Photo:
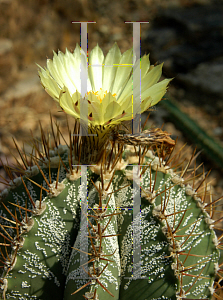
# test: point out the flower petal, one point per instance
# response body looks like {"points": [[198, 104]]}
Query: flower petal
{"points": [[53, 67], [95, 110], [72, 67], [110, 67], [111, 107], [49, 84], [156, 92], [123, 72], [96, 60], [151, 77], [70, 104], [145, 65]]}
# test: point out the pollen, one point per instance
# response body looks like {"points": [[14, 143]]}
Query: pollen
{"points": [[101, 94]]}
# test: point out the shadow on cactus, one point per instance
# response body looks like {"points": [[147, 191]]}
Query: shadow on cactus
{"points": [[109, 215]]}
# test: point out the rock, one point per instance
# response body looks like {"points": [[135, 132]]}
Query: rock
{"points": [[189, 36], [7, 63], [190, 43], [208, 77], [23, 88], [5, 46]]}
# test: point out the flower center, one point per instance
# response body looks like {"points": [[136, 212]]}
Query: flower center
{"points": [[101, 94]]}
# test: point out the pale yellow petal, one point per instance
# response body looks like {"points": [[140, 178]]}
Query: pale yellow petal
{"points": [[128, 89], [110, 67], [50, 84], [113, 109], [151, 77], [53, 69], [95, 110], [71, 105], [96, 60], [145, 64], [156, 92], [123, 72]]}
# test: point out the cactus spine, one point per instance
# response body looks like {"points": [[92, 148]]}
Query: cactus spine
{"points": [[41, 227]]}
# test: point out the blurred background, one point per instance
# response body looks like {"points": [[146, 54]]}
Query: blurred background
{"points": [[187, 35]]}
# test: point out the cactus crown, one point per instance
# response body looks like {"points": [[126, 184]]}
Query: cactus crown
{"points": [[107, 217]]}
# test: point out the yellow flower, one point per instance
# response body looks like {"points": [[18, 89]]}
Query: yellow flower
{"points": [[109, 84]]}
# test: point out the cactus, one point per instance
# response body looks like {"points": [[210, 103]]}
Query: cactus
{"points": [[112, 216]]}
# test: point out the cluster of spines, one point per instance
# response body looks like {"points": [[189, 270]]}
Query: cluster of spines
{"points": [[165, 163], [199, 191], [96, 235]]}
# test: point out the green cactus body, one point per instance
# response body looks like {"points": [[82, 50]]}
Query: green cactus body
{"points": [[39, 246]]}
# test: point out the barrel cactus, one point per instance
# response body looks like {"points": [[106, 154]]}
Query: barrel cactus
{"points": [[109, 215]]}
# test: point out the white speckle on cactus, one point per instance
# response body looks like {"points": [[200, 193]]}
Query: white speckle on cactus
{"points": [[187, 219], [199, 289], [52, 230], [43, 250], [22, 272], [25, 284]]}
